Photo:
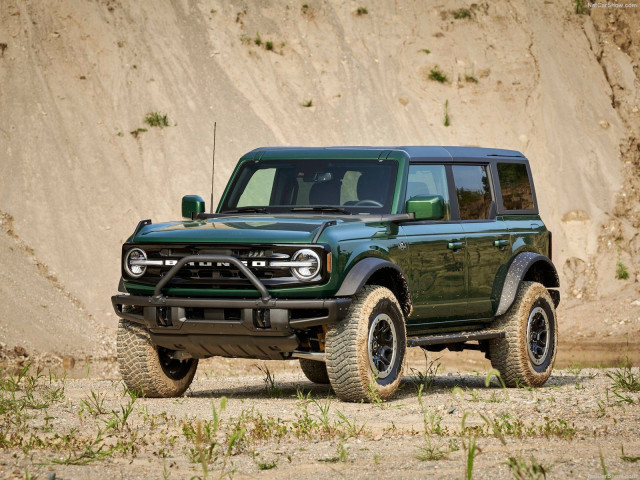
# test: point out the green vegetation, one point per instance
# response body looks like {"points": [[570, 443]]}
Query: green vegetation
{"points": [[270, 382], [470, 79], [425, 50], [522, 470], [472, 452], [137, 132], [462, 13], [267, 465], [156, 119], [447, 120], [580, 7], [621, 271], [626, 458], [362, 11], [342, 456], [426, 378], [268, 45], [257, 40], [437, 75], [308, 103], [624, 378]]}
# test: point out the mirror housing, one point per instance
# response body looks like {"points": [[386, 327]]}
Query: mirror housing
{"points": [[192, 204], [426, 207]]}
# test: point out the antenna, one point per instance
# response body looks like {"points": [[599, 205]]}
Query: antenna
{"points": [[213, 165]]}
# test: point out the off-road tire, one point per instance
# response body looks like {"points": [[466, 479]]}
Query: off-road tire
{"points": [[315, 371], [141, 368], [348, 342], [511, 355]]}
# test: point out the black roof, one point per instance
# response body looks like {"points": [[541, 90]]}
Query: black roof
{"points": [[414, 152]]}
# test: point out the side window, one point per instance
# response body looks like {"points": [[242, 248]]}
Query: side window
{"points": [[258, 189], [473, 191], [429, 180], [515, 186]]}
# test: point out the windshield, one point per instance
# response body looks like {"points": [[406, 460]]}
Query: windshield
{"points": [[340, 186]]}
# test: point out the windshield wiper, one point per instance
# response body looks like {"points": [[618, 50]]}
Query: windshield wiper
{"points": [[247, 209], [321, 208]]}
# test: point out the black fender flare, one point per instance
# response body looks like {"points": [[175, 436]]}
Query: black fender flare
{"points": [[518, 269], [362, 271]]}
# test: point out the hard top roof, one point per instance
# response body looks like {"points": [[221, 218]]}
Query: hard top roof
{"points": [[414, 152]]}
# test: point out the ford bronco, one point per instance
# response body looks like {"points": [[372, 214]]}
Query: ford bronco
{"points": [[342, 258]]}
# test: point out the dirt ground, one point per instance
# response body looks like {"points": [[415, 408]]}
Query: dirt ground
{"points": [[576, 426]]}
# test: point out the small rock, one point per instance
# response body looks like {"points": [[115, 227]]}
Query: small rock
{"points": [[20, 351], [68, 361], [51, 476], [451, 409], [604, 124], [636, 302]]}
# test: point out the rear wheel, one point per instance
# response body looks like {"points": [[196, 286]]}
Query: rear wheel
{"points": [[365, 352], [148, 368], [315, 371], [527, 353]]}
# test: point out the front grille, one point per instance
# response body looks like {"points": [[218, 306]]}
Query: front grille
{"points": [[219, 275]]}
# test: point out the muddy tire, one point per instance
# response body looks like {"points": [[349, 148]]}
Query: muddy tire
{"points": [[315, 371], [526, 355], [148, 368], [365, 352]]}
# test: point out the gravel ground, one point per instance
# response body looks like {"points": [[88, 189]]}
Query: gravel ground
{"points": [[578, 422]]}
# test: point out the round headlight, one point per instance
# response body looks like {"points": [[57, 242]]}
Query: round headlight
{"points": [[309, 264], [135, 262]]}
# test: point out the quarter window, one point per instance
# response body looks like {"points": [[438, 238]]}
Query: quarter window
{"points": [[427, 180], [515, 186], [473, 191]]}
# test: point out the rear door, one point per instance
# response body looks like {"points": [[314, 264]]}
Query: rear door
{"points": [[487, 237], [436, 254]]}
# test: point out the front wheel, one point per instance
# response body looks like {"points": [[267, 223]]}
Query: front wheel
{"points": [[365, 352], [314, 371], [527, 353], [148, 368]]}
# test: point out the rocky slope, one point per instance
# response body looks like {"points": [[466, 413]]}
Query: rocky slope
{"points": [[79, 76]]}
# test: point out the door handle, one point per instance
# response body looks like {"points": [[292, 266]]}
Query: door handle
{"points": [[500, 243], [455, 245]]}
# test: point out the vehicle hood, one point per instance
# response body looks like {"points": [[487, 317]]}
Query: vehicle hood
{"points": [[238, 229]]}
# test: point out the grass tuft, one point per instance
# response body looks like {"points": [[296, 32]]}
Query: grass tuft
{"points": [[621, 271], [462, 13], [156, 119], [362, 11], [447, 120], [437, 75], [307, 104], [580, 7]]}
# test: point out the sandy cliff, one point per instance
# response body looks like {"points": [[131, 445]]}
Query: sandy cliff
{"points": [[77, 76]]}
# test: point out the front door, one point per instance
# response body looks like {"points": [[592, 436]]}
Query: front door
{"points": [[436, 253], [487, 238]]}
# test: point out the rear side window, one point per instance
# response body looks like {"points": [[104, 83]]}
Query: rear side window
{"points": [[515, 186], [473, 191]]}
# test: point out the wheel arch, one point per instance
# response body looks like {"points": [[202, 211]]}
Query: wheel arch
{"points": [[376, 271], [528, 266]]}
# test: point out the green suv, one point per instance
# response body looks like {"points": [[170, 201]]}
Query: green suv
{"points": [[342, 258]]}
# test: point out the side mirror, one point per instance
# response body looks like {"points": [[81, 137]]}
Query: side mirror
{"points": [[192, 204], [426, 207]]}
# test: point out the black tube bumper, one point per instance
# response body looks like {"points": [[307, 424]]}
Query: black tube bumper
{"points": [[249, 328]]}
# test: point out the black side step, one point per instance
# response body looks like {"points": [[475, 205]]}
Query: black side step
{"points": [[458, 337]]}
